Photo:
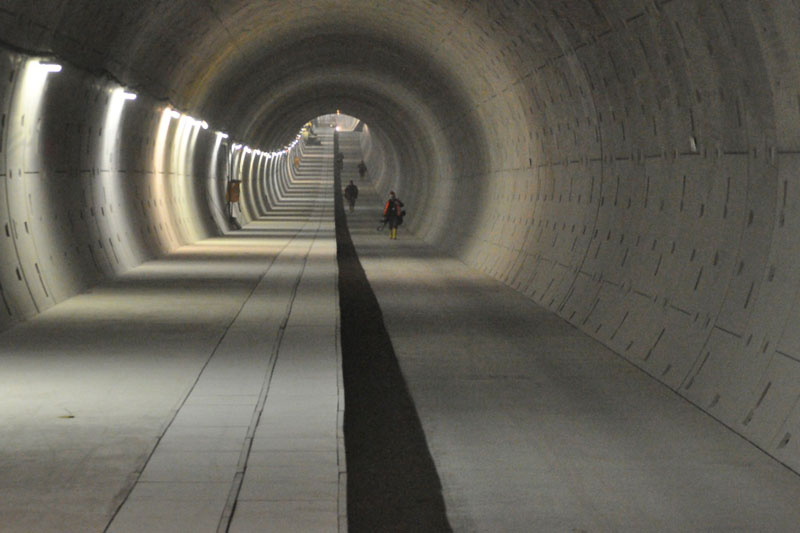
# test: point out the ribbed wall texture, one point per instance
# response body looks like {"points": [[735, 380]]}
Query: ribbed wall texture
{"points": [[631, 165]]}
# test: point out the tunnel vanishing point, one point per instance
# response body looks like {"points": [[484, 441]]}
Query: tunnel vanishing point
{"points": [[631, 166]]}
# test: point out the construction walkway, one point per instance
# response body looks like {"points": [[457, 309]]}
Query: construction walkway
{"points": [[200, 392]]}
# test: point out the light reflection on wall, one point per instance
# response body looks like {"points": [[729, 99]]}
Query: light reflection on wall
{"points": [[159, 181], [112, 177], [25, 114], [193, 207], [181, 188], [217, 174], [261, 174], [237, 164], [23, 160], [96, 184], [173, 176], [251, 173]]}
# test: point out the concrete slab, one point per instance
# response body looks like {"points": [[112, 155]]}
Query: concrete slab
{"points": [[286, 517], [221, 399], [168, 516], [176, 491], [203, 439], [191, 466], [302, 481], [299, 444], [214, 415]]}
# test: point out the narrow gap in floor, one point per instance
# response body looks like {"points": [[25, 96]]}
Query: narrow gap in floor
{"points": [[392, 482]]}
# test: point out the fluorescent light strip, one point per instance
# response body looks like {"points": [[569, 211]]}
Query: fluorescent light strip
{"points": [[50, 67]]}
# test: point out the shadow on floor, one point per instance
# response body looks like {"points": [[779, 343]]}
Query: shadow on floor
{"points": [[392, 483]]}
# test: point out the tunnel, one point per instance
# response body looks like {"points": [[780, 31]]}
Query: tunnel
{"points": [[589, 321]]}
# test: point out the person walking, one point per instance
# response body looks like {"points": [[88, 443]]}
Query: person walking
{"points": [[393, 213], [362, 169], [351, 193]]}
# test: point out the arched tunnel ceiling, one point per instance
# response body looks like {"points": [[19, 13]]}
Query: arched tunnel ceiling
{"points": [[355, 93], [221, 60], [325, 73]]}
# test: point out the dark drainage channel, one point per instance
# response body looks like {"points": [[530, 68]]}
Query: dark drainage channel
{"points": [[392, 483]]}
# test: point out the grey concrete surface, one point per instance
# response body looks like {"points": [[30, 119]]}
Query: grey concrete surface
{"points": [[535, 426], [629, 165], [193, 386]]}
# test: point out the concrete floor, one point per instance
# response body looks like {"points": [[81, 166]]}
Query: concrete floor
{"points": [[208, 378], [534, 426]]}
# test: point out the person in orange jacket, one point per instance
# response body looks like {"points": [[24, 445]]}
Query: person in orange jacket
{"points": [[393, 213]]}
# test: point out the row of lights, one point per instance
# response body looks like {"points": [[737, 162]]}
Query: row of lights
{"points": [[51, 67], [269, 155], [193, 121]]}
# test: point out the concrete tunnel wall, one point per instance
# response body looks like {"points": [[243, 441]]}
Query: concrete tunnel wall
{"points": [[94, 184], [80, 201], [631, 165]]}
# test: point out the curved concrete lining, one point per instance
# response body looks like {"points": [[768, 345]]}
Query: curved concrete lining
{"points": [[629, 165]]}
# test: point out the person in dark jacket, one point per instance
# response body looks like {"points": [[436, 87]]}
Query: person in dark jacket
{"points": [[362, 169], [351, 193], [393, 213]]}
